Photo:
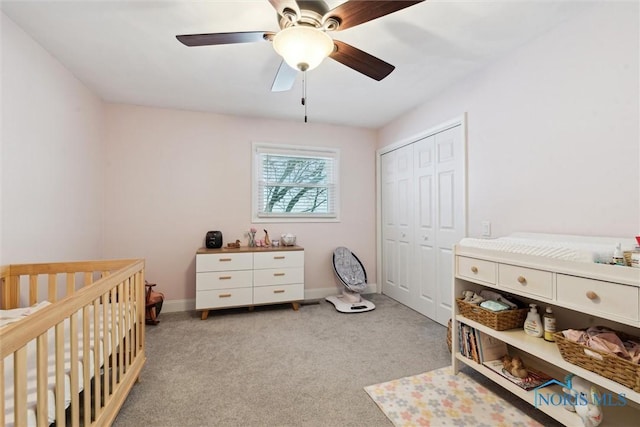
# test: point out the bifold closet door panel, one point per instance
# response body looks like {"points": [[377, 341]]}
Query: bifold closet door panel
{"points": [[425, 286], [451, 211], [397, 223]]}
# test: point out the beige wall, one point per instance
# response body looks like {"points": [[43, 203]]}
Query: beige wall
{"points": [[52, 157], [173, 175], [553, 130]]}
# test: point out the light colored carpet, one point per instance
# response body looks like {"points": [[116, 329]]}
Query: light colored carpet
{"points": [[279, 367], [439, 398]]}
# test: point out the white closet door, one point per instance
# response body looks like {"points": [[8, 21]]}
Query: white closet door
{"points": [[425, 290], [423, 215], [397, 217], [451, 212]]}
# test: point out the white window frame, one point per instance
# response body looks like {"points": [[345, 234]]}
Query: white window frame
{"points": [[258, 148]]}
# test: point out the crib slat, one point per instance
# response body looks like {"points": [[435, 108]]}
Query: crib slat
{"points": [[120, 323], [88, 278], [96, 358], [53, 288], [33, 289], [114, 345], [20, 386], [71, 283], [86, 365], [11, 293], [105, 346], [60, 417], [42, 402], [73, 375], [140, 311], [127, 327]]}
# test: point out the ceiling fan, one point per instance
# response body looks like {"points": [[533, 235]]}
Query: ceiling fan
{"points": [[303, 41]]}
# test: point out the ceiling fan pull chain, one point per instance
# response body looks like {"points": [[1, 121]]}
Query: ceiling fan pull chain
{"points": [[304, 94]]}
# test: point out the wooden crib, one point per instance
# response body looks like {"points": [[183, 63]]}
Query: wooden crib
{"points": [[76, 359]]}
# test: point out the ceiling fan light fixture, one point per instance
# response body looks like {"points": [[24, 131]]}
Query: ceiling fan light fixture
{"points": [[303, 47]]}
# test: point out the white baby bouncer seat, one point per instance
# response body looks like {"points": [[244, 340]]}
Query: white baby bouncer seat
{"points": [[351, 274]]}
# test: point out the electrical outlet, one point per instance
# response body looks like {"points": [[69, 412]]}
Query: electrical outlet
{"points": [[486, 229]]}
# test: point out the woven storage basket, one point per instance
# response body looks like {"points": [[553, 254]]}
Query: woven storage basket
{"points": [[604, 364], [449, 326], [498, 320]]}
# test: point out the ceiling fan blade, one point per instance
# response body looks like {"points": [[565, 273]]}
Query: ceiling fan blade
{"points": [[281, 5], [285, 78], [225, 38], [361, 61], [352, 13]]}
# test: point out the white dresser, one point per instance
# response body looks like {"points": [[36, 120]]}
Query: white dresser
{"points": [[581, 294], [248, 277]]}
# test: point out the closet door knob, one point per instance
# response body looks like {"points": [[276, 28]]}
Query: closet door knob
{"points": [[592, 295], [522, 280], [474, 269]]}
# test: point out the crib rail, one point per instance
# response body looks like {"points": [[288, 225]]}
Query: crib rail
{"points": [[90, 340]]}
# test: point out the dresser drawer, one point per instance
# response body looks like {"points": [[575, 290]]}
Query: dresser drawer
{"points": [[605, 299], [280, 293], [526, 280], [223, 279], [278, 276], [476, 269], [219, 298], [278, 259], [224, 262]]}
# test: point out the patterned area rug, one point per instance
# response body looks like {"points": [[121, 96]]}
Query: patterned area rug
{"points": [[439, 398]]}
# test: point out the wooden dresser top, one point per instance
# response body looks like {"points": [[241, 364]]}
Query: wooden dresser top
{"points": [[245, 249]]}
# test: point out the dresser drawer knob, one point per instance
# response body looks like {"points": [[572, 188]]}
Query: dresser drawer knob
{"points": [[474, 269], [224, 277], [278, 274], [225, 259], [592, 295], [522, 279], [224, 295], [278, 257], [278, 291]]}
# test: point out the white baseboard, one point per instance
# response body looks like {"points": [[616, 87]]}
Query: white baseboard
{"points": [[172, 306]]}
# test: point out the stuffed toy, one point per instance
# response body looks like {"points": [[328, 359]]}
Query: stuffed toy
{"points": [[585, 399], [514, 366], [471, 297]]}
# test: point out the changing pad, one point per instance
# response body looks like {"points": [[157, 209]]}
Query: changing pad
{"points": [[565, 247]]}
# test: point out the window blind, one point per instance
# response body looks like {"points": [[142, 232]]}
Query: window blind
{"points": [[296, 182]]}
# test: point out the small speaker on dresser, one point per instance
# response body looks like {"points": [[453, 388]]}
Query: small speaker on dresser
{"points": [[213, 240]]}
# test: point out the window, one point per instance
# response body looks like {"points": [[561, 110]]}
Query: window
{"points": [[294, 183]]}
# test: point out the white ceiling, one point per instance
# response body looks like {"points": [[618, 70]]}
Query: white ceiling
{"points": [[126, 52]]}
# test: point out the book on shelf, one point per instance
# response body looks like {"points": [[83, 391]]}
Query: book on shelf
{"points": [[467, 342], [533, 380], [478, 346]]}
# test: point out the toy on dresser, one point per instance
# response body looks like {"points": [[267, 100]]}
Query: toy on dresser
{"points": [[585, 399]]}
